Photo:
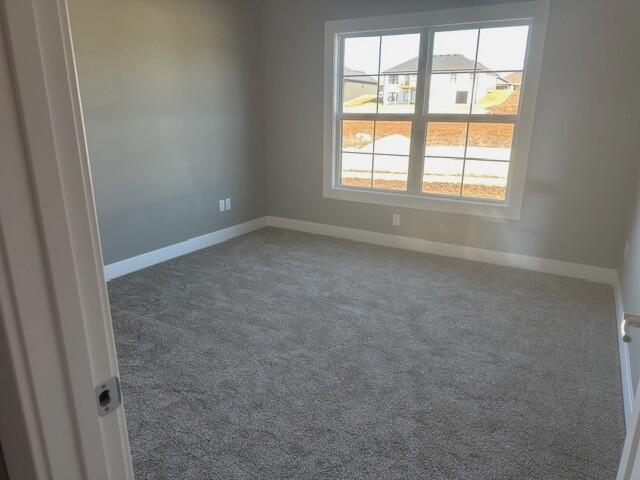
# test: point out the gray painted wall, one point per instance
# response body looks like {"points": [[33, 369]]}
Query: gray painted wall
{"points": [[190, 101], [171, 100], [578, 177]]}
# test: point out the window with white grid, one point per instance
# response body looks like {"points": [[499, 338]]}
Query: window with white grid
{"points": [[433, 112]]}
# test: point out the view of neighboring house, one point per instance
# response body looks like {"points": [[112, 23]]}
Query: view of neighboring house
{"points": [[399, 88], [359, 86], [450, 90], [512, 81], [454, 87]]}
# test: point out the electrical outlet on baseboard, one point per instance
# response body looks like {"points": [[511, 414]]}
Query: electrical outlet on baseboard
{"points": [[221, 205], [396, 219], [227, 203]]}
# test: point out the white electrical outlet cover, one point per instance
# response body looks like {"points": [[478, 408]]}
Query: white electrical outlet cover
{"points": [[396, 219], [228, 203], [221, 205]]}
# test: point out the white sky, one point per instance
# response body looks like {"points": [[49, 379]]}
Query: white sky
{"points": [[501, 48]]}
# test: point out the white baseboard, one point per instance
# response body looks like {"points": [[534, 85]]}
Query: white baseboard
{"points": [[145, 260], [625, 361], [558, 267], [567, 269]]}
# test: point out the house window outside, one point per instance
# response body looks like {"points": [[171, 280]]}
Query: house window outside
{"points": [[455, 91], [462, 97]]}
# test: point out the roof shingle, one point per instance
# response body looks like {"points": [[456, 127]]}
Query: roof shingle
{"points": [[441, 63]]}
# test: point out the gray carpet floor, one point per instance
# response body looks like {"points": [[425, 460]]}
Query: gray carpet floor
{"points": [[281, 355]]}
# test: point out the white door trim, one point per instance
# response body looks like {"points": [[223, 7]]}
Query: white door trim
{"points": [[625, 361], [73, 317], [629, 461]]}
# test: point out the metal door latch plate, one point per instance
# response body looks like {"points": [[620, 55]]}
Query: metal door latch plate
{"points": [[108, 396]]}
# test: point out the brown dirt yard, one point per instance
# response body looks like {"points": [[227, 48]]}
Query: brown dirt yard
{"points": [[357, 133], [492, 192]]}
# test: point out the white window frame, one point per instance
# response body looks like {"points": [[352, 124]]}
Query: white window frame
{"points": [[534, 13]]}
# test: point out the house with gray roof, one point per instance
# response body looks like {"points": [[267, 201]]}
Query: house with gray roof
{"points": [[451, 86], [358, 85]]}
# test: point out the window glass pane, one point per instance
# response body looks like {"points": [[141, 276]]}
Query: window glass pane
{"points": [[398, 93], [361, 55], [356, 169], [490, 140], [446, 139], [450, 93], [485, 179], [359, 94], [502, 48], [442, 176], [393, 137], [390, 172], [474, 72], [399, 53], [357, 136], [497, 93], [454, 50]]}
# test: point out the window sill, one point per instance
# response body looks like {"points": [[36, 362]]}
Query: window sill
{"points": [[424, 202]]}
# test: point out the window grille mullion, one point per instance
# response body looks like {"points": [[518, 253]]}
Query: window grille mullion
{"points": [[418, 127]]}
